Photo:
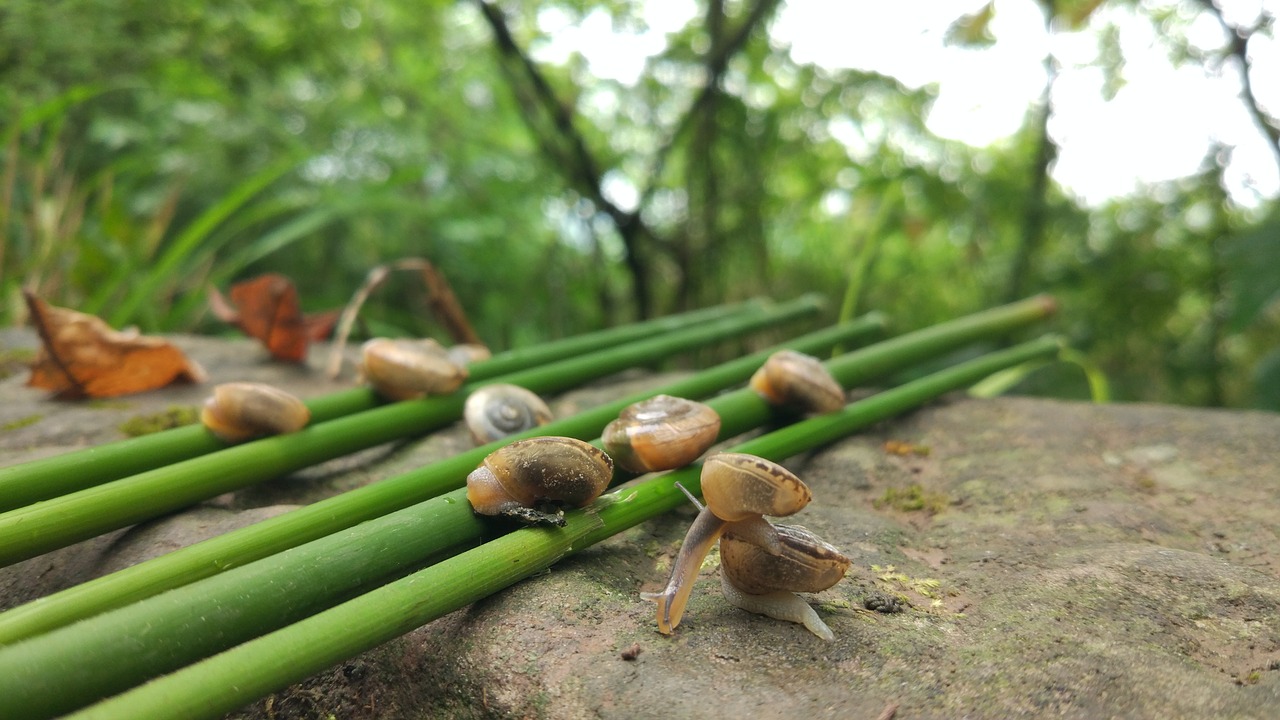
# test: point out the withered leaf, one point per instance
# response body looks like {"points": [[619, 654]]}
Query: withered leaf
{"points": [[266, 309], [81, 356]]}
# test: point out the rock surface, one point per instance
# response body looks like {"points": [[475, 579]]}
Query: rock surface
{"points": [[1049, 559]]}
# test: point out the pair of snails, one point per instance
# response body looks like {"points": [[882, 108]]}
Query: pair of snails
{"points": [[762, 565], [533, 480]]}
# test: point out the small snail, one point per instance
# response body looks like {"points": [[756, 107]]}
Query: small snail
{"points": [[466, 353], [764, 583], [404, 369], [661, 433], [532, 480], [798, 381], [739, 489], [496, 411], [238, 411]]}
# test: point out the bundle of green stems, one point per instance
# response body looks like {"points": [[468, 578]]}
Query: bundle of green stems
{"points": [[285, 577]]}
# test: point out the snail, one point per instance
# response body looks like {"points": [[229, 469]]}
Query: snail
{"points": [[466, 353], [739, 490], [404, 369], [496, 411], [240, 410], [532, 480], [798, 381], [764, 583], [661, 433]]}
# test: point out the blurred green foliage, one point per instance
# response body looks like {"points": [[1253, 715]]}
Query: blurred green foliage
{"points": [[151, 150]]}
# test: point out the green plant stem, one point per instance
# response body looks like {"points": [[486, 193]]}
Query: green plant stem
{"points": [[332, 515], [164, 632], [55, 523], [228, 680], [30, 482], [335, 514]]}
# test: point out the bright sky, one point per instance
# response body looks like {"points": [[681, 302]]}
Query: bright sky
{"points": [[1158, 127]]}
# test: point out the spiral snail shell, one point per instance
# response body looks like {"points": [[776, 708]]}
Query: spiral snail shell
{"points": [[765, 583], [496, 411], [661, 433], [238, 411], [403, 369], [533, 480], [797, 381]]}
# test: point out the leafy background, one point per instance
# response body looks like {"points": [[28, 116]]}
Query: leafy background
{"points": [[153, 149]]}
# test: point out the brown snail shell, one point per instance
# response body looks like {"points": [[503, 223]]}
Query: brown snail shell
{"points": [[762, 582], [661, 433], [738, 486], [531, 480], [404, 369], [240, 410], [496, 411], [807, 563], [798, 381]]}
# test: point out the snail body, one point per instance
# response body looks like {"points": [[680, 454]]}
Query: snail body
{"points": [[661, 433], [532, 480], [765, 583], [496, 411], [404, 369], [739, 489], [797, 381], [239, 411]]}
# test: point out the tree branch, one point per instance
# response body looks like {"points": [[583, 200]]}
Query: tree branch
{"points": [[716, 64], [1239, 49], [582, 169]]}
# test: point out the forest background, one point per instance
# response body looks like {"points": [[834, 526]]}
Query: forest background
{"points": [[154, 149]]}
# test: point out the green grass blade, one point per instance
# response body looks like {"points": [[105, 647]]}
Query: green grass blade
{"points": [[229, 680], [169, 266]]}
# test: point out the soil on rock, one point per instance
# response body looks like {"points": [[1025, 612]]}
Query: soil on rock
{"points": [[1045, 559]]}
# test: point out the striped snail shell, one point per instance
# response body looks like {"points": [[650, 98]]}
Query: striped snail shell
{"points": [[661, 433]]}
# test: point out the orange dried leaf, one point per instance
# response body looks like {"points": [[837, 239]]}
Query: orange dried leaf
{"points": [[266, 309], [81, 356]]}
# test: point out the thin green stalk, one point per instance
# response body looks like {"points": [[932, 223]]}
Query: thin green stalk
{"points": [[229, 680], [335, 514], [332, 515], [120, 648], [30, 482], [55, 523]]}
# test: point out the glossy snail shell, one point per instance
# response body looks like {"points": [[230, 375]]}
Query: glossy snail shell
{"points": [[404, 369], [496, 411], [527, 479], [738, 486], [239, 410], [765, 582], [661, 433], [798, 381], [807, 563]]}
